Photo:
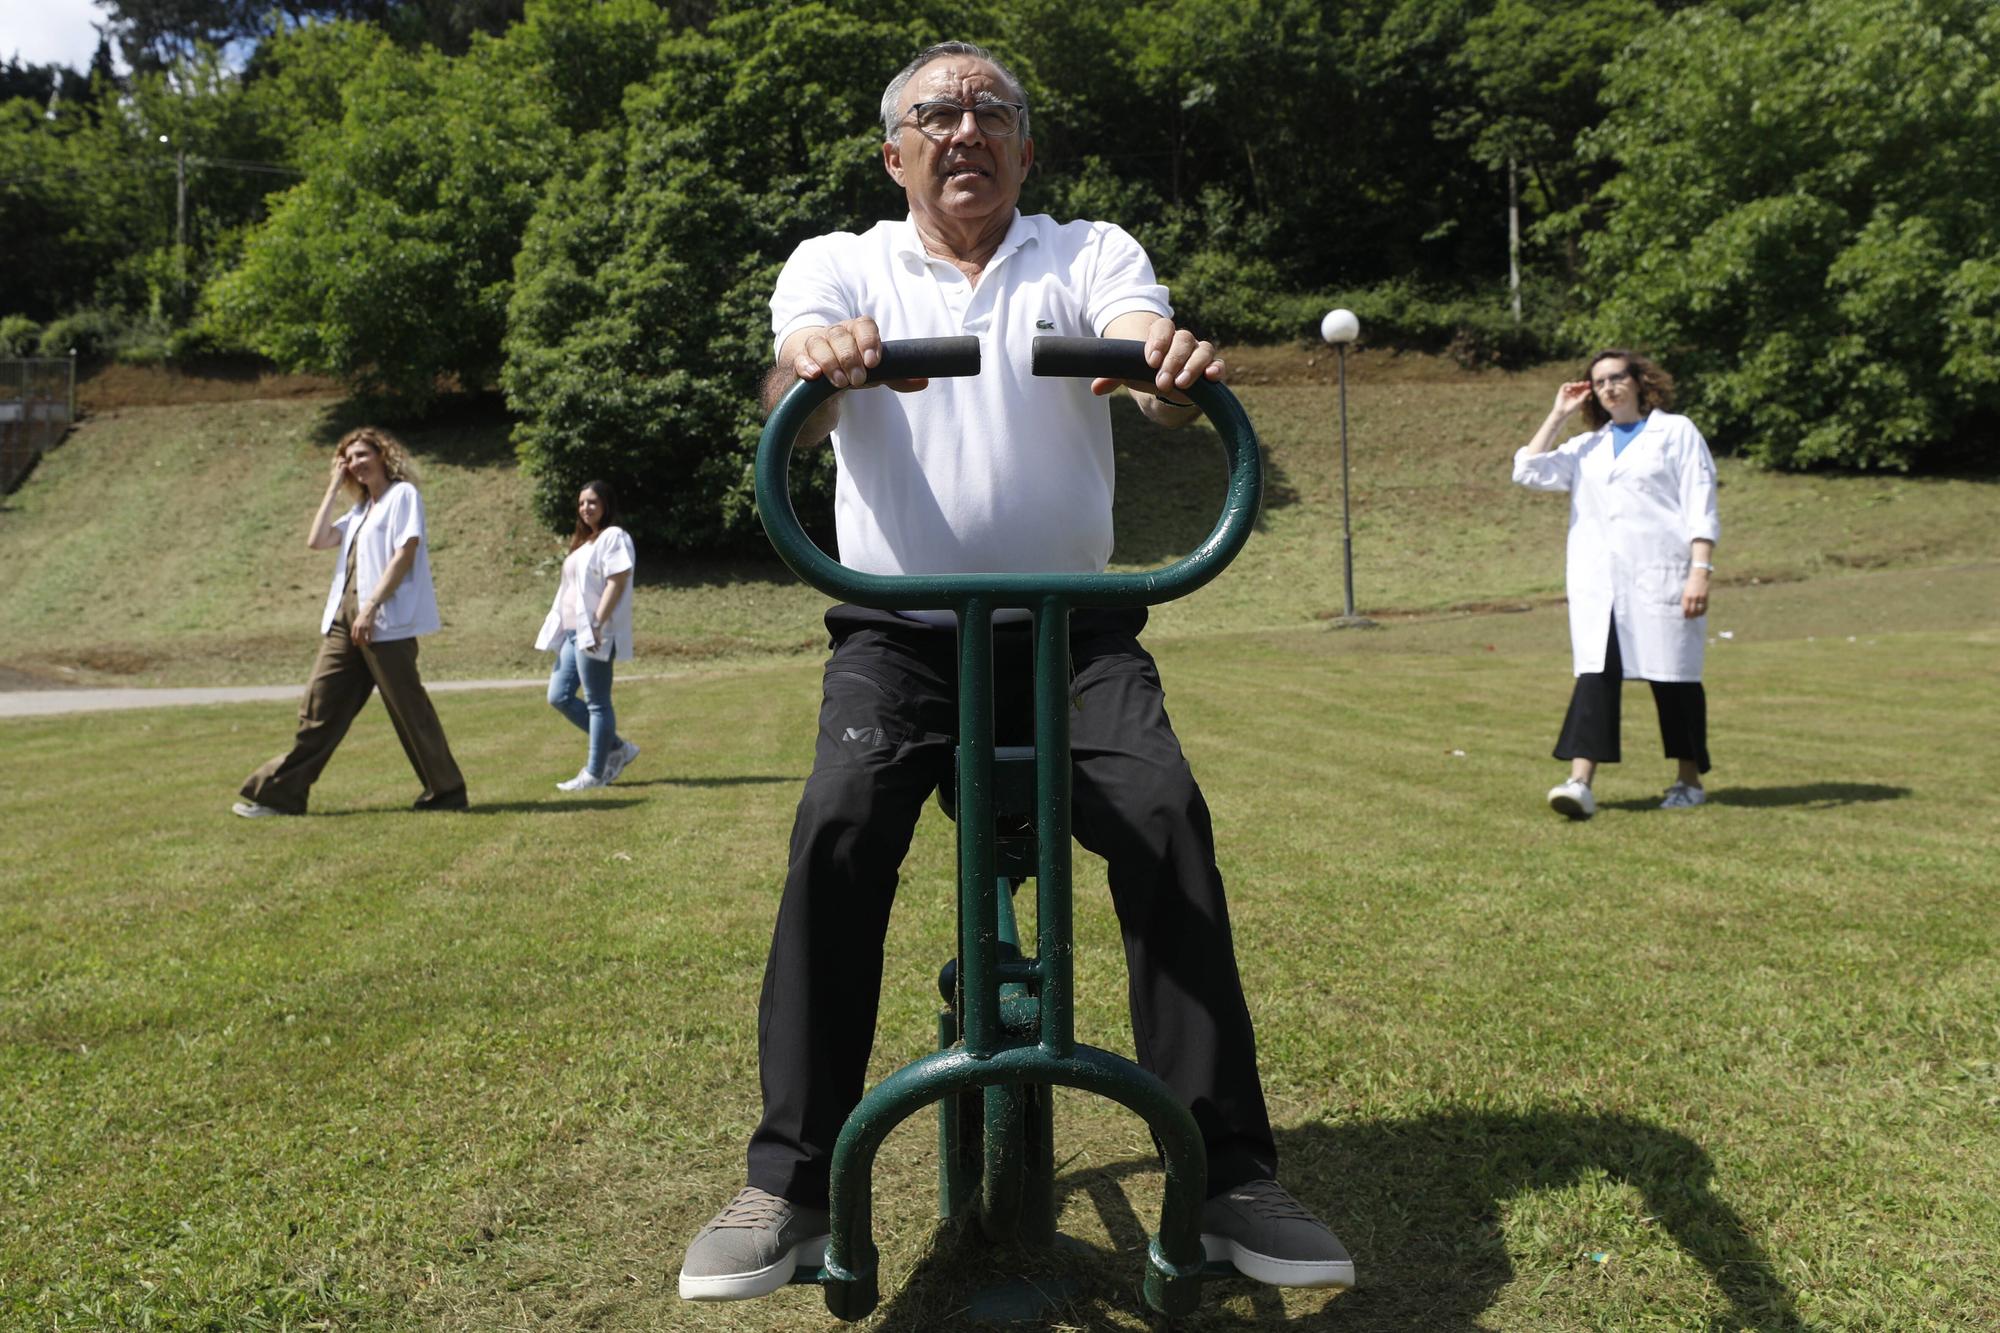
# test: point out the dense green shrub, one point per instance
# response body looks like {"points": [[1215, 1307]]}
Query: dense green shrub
{"points": [[1232, 300], [99, 334], [203, 340], [19, 336], [91, 334], [1806, 224], [1475, 329], [142, 342]]}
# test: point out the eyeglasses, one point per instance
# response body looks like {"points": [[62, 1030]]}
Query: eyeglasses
{"points": [[1611, 381], [938, 120]]}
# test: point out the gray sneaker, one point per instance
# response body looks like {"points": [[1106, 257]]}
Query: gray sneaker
{"points": [[618, 759], [751, 1248], [1681, 796], [1271, 1237]]}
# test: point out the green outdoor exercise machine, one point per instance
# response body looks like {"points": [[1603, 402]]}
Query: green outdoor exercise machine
{"points": [[1007, 1040]]}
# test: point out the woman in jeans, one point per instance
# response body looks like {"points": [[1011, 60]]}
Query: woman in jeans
{"points": [[588, 628]]}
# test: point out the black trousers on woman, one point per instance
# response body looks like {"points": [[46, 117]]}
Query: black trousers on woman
{"points": [[1590, 731], [887, 729]]}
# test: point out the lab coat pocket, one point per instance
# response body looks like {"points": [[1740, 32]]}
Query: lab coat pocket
{"points": [[1660, 586]]}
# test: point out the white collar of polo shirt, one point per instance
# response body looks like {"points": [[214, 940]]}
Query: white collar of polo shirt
{"points": [[908, 245]]}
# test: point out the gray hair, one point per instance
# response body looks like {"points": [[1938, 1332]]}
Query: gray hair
{"points": [[892, 96]]}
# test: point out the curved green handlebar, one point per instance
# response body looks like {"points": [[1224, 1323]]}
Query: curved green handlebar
{"points": [[941, 357]]}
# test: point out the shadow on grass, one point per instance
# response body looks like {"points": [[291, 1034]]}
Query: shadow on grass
{"points": [[1170, 487], [1809, 795], [1817, 795], [570, 805], [1418, 1201], [740, 780], [464, 430]]}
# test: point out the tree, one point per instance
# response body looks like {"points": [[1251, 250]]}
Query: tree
{"points": [[1278, 136], [1805, 221], [44, 84], [1534, 68], [153, 34], [82, 193], [295, 84], [639, 329], [391, 264]]}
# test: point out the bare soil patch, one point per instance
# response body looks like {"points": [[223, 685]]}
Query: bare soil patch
{"points": [[16, 678], [114, 386]]}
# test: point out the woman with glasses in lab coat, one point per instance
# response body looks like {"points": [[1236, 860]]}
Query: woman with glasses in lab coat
{"points": [[1642, 534]]}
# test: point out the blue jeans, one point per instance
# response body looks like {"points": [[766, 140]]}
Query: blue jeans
{"points": [[593, 714]]}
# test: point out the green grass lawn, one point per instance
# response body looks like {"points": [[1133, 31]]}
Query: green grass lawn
{"points": [[1730, 1068], [1735, 1068]]}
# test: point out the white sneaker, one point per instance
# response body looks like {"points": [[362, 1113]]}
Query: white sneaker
{"points": [[620, 758], [1681, 796], [583, 781], [1573, 798], [252, 810]]}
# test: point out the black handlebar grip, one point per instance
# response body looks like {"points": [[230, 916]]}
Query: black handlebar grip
{"points": [[927, 359], [1091, 358]]}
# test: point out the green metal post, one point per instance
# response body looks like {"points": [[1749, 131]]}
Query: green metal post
{"points": [[977, 925], [1055, 934]]}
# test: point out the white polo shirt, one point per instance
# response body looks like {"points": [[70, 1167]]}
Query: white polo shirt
{"points": [[1000, 472]]}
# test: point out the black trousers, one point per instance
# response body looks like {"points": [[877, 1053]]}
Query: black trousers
{"points": [[887, 727], [1590, 731]]}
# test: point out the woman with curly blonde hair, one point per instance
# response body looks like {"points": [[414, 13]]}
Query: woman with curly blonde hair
{"points": [[380, 602], [1642, 534]]}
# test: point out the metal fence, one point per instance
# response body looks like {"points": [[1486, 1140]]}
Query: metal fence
{"points": [[37, 405]]}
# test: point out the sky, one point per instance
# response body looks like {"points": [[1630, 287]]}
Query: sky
{"points": [[49, 32]]}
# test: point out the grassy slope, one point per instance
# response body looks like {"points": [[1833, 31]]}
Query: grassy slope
{"points": [[165, 545], [161, 544]]}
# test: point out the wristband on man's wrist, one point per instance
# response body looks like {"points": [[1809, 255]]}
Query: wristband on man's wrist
{"points": [[1170, 402], [1703, 564]]}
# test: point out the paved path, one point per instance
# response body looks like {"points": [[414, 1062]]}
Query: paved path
{"points": [[51, 703]]}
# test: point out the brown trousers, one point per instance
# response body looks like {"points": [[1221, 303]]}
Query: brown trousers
{"points": [[342, 679]]}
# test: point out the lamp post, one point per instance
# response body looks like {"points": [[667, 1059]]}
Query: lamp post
{"points": [[1340, 328], [180, 212]]}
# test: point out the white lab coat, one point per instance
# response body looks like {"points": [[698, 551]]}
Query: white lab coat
{"points": [[1631, 520]]}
